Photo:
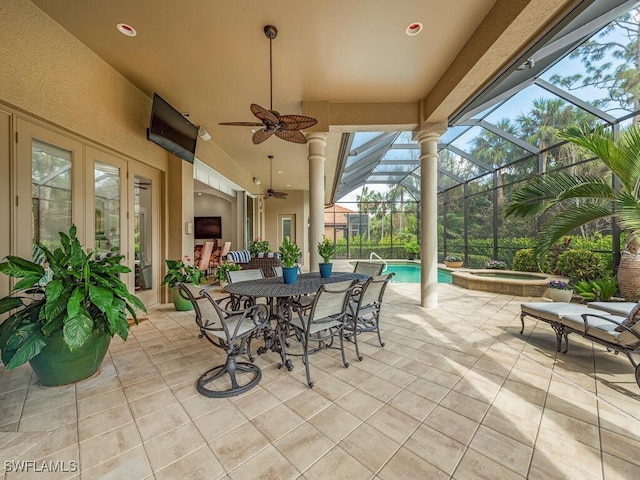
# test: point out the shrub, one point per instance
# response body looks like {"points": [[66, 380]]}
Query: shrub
{"points": [[259, 246], [580, 265], [601, 289], [525, 261]]}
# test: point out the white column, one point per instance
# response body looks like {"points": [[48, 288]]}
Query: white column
{"points": [[317, 142], [428, 139]]}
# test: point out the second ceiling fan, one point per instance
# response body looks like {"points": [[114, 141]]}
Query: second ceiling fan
{"points": [[286, 127], [271, 192]]}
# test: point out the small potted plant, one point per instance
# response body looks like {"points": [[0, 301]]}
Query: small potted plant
{"points": [[259, 246], [62, 320], [181, 271], [412, 248], [495, 265], [560, 291], [221, 270], [289, 252], [326, 249], [453, 261]]}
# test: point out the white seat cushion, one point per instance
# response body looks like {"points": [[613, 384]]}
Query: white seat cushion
{"points": [[615, 308], [553, 311], [598, 327]]}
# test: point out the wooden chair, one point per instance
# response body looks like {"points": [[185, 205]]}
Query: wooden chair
{"points": [[205, 258]]}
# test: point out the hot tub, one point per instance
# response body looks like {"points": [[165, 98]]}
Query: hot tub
{"points": [[509, 282]]}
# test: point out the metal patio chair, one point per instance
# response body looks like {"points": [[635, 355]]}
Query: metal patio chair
{"points": [[232, 331], [369, 268]]}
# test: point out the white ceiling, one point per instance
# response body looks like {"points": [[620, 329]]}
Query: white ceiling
{"points": [[211, 58]]}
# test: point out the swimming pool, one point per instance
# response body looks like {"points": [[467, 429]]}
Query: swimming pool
{"points": [[407, 272]]}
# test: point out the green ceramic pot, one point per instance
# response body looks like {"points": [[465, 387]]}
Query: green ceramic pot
{"points": [[182, 304], [57, 365]]}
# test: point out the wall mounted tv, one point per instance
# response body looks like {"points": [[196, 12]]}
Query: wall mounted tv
{"points": [[171, 130], [207, 227]]}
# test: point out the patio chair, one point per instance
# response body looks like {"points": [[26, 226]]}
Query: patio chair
{"points": [[231, 331], [224, 251], [364, 309], [369, 268], [236, 302], [205, 259], [324, 320]]}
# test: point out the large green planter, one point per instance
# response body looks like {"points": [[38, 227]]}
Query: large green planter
{"points": [[57, 365], [182, 304]]}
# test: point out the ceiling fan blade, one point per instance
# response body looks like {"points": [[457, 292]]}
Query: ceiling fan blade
{"points": [[297, 122], [292, 136], [242, 124], [260, 136], [263, 114], [280, 195]]}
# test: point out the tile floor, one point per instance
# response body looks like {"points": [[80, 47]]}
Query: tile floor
{"points": [[456, 393]]}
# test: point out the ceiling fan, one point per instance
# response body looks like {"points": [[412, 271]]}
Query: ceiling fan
{"points": [[271, 192], [286, 127]]}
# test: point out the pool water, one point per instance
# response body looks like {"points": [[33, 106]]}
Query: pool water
{"points": [[410, 273]]}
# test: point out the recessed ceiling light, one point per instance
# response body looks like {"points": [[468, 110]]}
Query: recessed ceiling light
{"points": [[414, 28], [127, 30], [280, 171]]}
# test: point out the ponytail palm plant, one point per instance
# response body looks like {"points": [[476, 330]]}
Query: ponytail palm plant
{"points": [[586, 197]]}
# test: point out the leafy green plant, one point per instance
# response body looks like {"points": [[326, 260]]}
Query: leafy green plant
{"points": [[601, 289], [259, 246], [412, 247], [525, 260], [326, 249], [222, 269], [580, 265], [289, 252], [181, 271], [83, 294]]}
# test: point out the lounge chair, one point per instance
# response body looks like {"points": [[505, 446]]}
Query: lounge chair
{"points": [[616, 333]]}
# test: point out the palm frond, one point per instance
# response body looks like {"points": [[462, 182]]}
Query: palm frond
{"points": [[628, 212], [565, 222]]}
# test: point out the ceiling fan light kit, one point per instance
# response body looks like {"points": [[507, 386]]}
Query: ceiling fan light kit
{"points": [[285, 127], [271, 192]]}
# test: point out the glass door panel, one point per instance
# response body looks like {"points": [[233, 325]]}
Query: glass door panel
{"points": [[142, 234], [107, 206], [50, 194]]}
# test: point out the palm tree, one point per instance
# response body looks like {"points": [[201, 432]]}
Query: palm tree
{"points": [[587, 197]]}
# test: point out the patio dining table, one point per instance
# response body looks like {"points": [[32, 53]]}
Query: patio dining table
{"points": [[280, 297]]}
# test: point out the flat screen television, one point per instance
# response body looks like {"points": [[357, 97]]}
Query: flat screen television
{"points": [[171, 130], [207, 227]]}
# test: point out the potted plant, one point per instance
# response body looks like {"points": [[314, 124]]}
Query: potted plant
{"points": [[412, 248], [495, 265], [326, 249], [63, 319], [181, 271], [221, 271], [560, 291], [289, 252], [453, 261], [259, 246]]}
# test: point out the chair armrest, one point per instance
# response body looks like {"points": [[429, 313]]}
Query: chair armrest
{"points": [[608, 319]]}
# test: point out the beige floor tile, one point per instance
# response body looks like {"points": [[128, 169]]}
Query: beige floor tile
{"points": [[55, 441], [452, 424], [103, 421], [254, 402], [101, 448], [545, 466], [308, 403], [277, 422], [49, 419], [268, 464], [303, 446], [370, 447], [442, 378], [219, 421], [239, 445], [570, 427], [332, 387], [353, 376], [165, 450], [172, 417], [143, 388], [337, 464], [379, 388], [514, 455], [360, 404], [406, 464], [464, 405], [513, 426], [412, 404], [436, 448], [393, 423], [616, 468], [475, 466], [335, 422], [102, 402], [132, 465], [429, 390], [200, 464], [152, 403], [621, 446]]}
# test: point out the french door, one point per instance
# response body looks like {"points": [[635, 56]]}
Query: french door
{"points": [[114, 204]]}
